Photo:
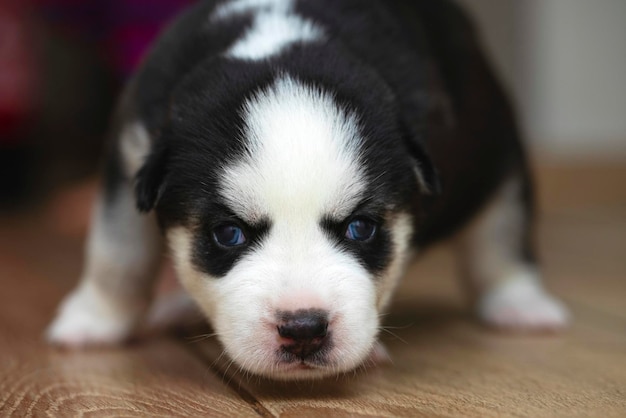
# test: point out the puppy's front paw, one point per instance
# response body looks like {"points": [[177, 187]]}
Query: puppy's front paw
{"points": [[522, 304], [86, 318]]}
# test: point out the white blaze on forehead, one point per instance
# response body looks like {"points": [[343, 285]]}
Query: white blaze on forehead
{"points": [[235, 7], [271, 33], [303, 159], [275, 26]]}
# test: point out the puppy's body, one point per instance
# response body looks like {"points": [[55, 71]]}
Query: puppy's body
{"points": [[294, 153]]}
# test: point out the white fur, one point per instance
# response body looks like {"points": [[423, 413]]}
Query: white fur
{"points": [[232, 8], [303, 158], [275, 27], [508, 290], [134, 146], [521, 303], [303, 166], [298, 273], [88, 316], [401, 233], [123, 250], [421, 181]]}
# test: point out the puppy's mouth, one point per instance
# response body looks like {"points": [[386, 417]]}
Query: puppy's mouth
{"points": [[301, 344], [303, 361], [304, 366], [312, 354], [302, 369]]}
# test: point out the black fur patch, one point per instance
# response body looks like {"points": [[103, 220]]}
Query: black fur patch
{"points": [[374, 254], [395, 63], [214, 258]]}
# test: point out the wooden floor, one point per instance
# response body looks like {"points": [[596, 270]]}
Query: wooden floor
{"points": [[444, 363]]}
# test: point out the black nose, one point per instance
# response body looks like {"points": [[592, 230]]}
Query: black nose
{"points": [[305, 331]]}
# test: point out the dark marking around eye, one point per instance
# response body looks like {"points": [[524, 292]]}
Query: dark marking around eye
{"points": [[373, 253], [218, 245]]}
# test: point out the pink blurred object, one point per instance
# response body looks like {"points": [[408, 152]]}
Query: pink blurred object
{"points": [[17, 64], [121, 30]]}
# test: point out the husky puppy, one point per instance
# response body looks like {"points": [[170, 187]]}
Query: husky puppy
{"points": [[294, 155]]}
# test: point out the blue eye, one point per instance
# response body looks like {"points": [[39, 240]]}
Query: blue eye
{"points": [[229, 235], [360, 229]]}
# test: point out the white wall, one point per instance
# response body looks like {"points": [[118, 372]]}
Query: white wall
{"points": [[565, 62]]}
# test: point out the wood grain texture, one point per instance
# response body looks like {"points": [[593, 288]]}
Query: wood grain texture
{"points": [[444, 363], [582, 237], [149, 378], [154, 379]]}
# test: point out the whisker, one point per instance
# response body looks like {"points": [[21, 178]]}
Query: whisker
{"points": [[394, 335], [399, 327], [201, 337]]}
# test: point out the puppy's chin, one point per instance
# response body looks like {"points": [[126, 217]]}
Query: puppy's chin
{"points": [[301, 343], [300, 371], [377, 355], [281, 366], [303, 371]]}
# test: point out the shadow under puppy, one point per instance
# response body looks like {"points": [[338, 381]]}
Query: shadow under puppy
{"points": [[294, 155]]}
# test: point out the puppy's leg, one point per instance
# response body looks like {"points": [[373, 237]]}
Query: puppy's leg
{"points": [[496, 259], [122, 258]]}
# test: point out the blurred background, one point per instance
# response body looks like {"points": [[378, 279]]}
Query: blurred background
{"points": [[62, 63], [564, 61]]}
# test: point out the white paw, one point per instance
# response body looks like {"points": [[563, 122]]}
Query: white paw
{"points": [[522, 304], [86, 318]]}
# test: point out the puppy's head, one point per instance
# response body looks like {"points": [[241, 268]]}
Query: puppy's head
{"points": [[289, 221]]}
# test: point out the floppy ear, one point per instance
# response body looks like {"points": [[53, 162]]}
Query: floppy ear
{"points": [[149, 180], [425, 171]]}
